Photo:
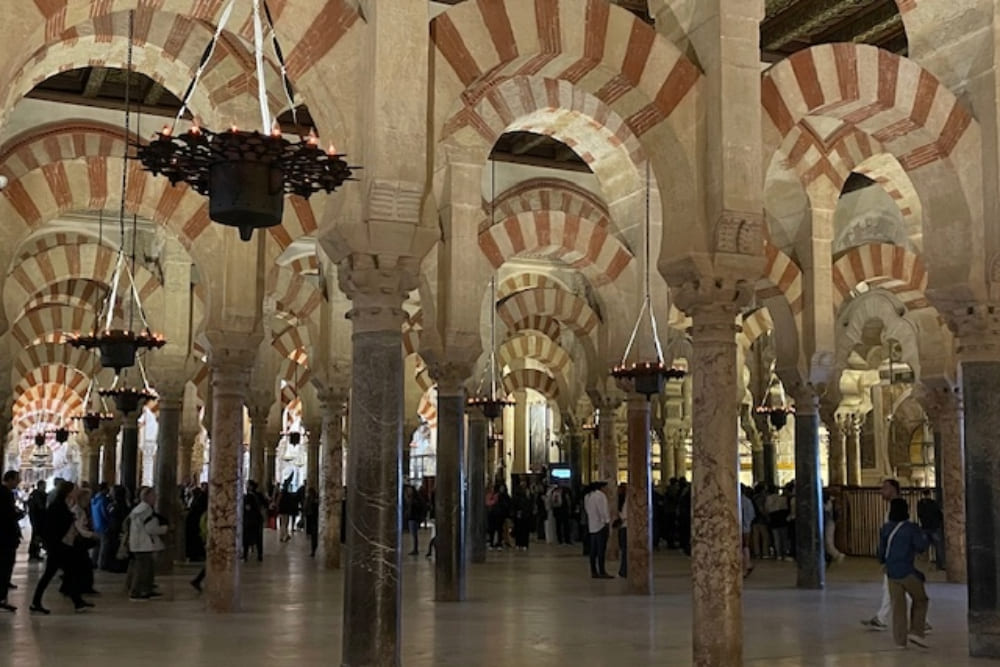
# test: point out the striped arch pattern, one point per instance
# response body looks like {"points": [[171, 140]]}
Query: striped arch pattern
{"points": [[888, 267], [543, 324], [293, 294], [49, 354], [60, 263], [753, 326], [427, 408], [74, 292], [557, 235], [295, 375], [57, 398], [561, 305], [782, 278], [526, 281], [531, 378], [482, 45], [920, 121], [72, 378], [550, 194], [534, 346], [289, 344], [50, 324]]}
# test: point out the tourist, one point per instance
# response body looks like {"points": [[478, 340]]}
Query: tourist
{"points": [[37, 502], [880, 621], [524, 509], [145, 527], [497, 513], [595, 504], [10, 534], [288, 509], [560, 501], [671, 497], [413, 514], [622, 524], [58, 522], [203, 538], [111, 540], [254, 510], [310, 510], [899, 543], [684, 516], [747, 515], [193, 545], [760, 531], [830, 527], [549, 531], [932, 521], [81, 538], [99, 519], [776, 506]]}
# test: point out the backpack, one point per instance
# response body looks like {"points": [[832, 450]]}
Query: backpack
{"points": [[556, 498]]}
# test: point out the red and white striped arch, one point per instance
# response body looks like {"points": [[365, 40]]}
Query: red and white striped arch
{"points": [[568, 309], [50, 324], [546, 325], [427, 408], [291, 344], [532, 345], [753, 326], [532, 378], [57, 398], [74, 292], [47, 265], [526, 280], [50, 354], [881, 265], [293, 294], [71, 378], [550, 194], [782, 278]]}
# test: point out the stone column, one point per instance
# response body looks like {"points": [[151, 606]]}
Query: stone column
{"points": [[184, 453], [258, 445], [130, 454], [769, 452], [668, 456], [91, 460], [476, 502], [607, 463], [271, 439], [945, 409], [231, 363], [107, 437], [374, 493], [809, 548], [314, 431], [639, 495], [757, 463], [978, 348], [168, 502], [716, 537], [837, 463], [853, 457], [331, 495], [680, 455], [450, 491]]}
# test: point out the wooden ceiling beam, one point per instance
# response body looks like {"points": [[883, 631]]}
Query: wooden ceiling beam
{"points": [[95, 81]]}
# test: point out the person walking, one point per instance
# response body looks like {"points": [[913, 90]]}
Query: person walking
{"points": [[622, 523], [776, 506], [288, 509], [899, 543], [560, 512], [254, 510], [145, 529], [413, 513], [37, 502], [310, 510], [58, 524], [830, 527], [203, 536], [932, 522], [111, 540], [10, 534], [747, 516], [880, 621], [595, 504], [81, 539]]}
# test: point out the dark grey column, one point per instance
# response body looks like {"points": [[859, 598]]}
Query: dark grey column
{"points": [[449, 515], [640, 523], [476, 501], [982, 504], [809, 548], [168, 502], [130, 454], [758, 463], [374, 504], [769, 452]]}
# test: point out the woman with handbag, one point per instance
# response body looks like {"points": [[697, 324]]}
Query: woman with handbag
{"points": [[81, 539], [59, 524]]}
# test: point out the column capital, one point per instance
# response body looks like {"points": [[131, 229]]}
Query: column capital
{"points": [[715, 301], [806, 397], [231, 357], [377, 287], [941, 402], [977, 330], [605, 400], [451, 376]]}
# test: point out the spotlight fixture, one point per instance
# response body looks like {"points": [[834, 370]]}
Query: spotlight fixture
{"points": [[245, 174]]}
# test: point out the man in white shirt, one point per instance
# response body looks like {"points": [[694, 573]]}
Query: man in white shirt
{"points": [[595, 504]]}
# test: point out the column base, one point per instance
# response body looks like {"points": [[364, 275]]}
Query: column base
{"points": [[984, 634]]}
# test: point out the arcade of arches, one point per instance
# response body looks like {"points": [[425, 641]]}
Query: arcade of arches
{"points": [[823, 186]]}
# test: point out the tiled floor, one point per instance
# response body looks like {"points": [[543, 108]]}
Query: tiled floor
{"points": [[529, 609]]}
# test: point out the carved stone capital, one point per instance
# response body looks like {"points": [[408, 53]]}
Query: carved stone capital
{"points": [[740, 233], [806, 397], [977, 329], [377, 286], [451, 376], [713, 298], [939, 402]]}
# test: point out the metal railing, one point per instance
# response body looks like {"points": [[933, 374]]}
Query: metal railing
{"points": [[862, 511]]}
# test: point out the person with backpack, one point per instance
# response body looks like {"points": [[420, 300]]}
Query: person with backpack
{"points": [[37, 502], [99, 519], [145, 528], [900, 541]]}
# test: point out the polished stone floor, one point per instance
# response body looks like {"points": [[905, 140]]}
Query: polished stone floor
{"points": [[538, 608]]}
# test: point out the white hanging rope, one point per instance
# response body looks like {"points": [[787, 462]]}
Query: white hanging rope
{"points": [[280, 58], [205, 59], [258, 52], [113, 296]]}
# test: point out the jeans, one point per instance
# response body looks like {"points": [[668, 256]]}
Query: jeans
{"points": [[598, 545], [141, 579], [898, 590], [59, 558], [414, 526]]}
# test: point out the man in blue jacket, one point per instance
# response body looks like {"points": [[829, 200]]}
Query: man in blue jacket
{"points": [[99, 516], [899, 543]]}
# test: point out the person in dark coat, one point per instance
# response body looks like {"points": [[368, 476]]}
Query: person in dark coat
{"points": [[254, 510], [192, 526], [117, 509], [524, 508], [10, 534], [59, 520], [310, 510], [37, 502]]}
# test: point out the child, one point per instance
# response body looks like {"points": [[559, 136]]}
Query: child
{"points": [[899, 543]]}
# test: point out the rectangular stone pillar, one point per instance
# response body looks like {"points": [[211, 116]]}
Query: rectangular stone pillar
{"points": [[476, 501], [809, 547], [449, 515], [639, 495]]}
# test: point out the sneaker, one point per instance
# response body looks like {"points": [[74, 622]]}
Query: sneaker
{"points": [[874, 624], [919, 641], [840, 558]]}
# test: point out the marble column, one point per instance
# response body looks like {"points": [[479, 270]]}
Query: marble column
{"points": [[576, 461], [450, 492], [107, 436], [271, 438], [258, 446], [168, 502], [607, 464], [978, 350], [952, 466], [184, 453], [809, 549], [669, 458], [769, 452], [639, 496], [680, 457], [130, 454], [331, 495], [372, 591], [476, 501], [716, 537], [757, 463], [230, 369], [837, 464], [314, 432], [853, 456], [91, 461]]}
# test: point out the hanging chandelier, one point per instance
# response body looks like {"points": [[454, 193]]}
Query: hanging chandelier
{"points": [[61, 434], [777, 412], [127, 398], [97, 410], [646, 376], [118, 342], [491, 404], [245, 174], [41, 454]]}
